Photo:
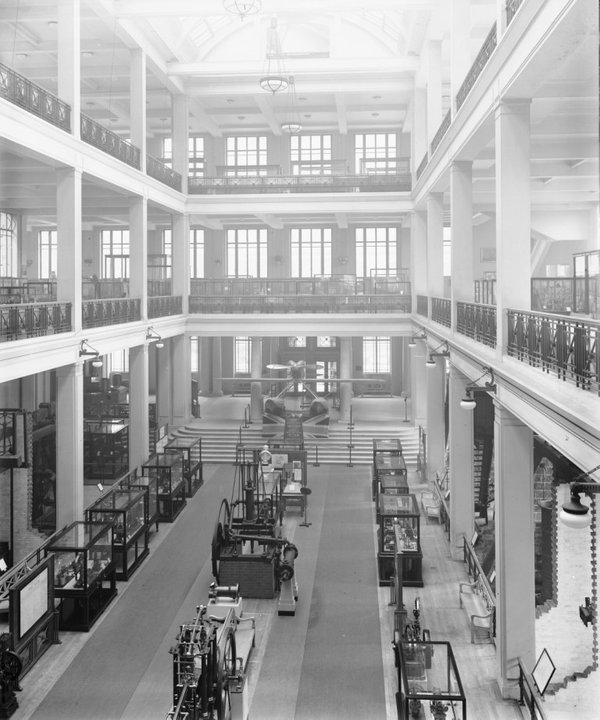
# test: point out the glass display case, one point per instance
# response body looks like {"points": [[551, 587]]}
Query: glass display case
{"points": [[127, 511], [84, 572], [429, 683], [191, 449], [383, 447], [389, 471], [166, 470], [149, 484], [105, 449], [399, 531]]}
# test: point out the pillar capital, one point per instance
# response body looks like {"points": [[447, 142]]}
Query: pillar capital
{"points": [[516, 106]]}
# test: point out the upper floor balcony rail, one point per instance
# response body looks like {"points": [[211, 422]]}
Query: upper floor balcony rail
{"points": [[423, 305], [163, 305], [159, 287], [477, 322], [301, 304], [27, 320], [479, 63], [33, 98], [291, 287], [557, 344], [441, 311], [442, 130], [108, 141], [110, 311], [511, 9], [422, 165], [163, 173]]}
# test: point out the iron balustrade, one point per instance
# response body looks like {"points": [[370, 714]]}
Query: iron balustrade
{"points": [[21, 91], [423, 305], [441, 311], [159, 287], [477, 322], [422, 165], [109, 142], [26, 320], [110, 311], [300, 304], [511, 9], [163, 305], [475, 572], [442, 130], [557, 344], [479, 63], [163, 173], [529, 695], [484, 291]]}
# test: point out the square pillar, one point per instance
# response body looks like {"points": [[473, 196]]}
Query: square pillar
{"points": [[138, 252], [69, 59], [137, 102], [164, 384], [69, 256], [461, 214], [180, 271], [436, 435], [256, 395], [139, 433], [69, 439], [182, 380], [435, 245]]}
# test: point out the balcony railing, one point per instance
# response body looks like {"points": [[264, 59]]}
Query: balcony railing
{"points": [[161, 306], [110, 311], [26, 320], [477, 322], [423, 305], [301, 304], [441, 311], [442, 130], [34, 99], [109, 142], [475, 71], [511, 9], [557, 344], [163, 173], [422, 165]]}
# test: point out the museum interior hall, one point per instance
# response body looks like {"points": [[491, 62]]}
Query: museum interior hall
{"points": [[390, 513]]}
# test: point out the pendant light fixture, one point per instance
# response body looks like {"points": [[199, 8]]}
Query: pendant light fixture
{"points": [[242, 7], [274, 80], [292, 125]]}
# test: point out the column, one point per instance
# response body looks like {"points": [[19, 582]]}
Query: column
{"points": [[205, 374], [436, 434], [418, 136], [460, 442], [139, 433], [164, 387], [179, 123], [513, 213], [460, 47], [500, 18], [217, 369], [434, 88], [418, 388], [180, 271], [435, 245], [418, 255], [138, 252], [256, 396], [515, 566], [69, 443], [345, 388], [68, 223], [137, 102], [461, 214], [69, 59], [182, 380]]}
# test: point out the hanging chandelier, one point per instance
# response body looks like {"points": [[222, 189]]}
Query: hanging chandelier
{"points": [[292, 125], [274, 80], [242, 7]]}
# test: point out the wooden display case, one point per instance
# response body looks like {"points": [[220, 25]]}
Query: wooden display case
{"points": [[127, 511], [149, 484], [399, 531], [105, 449], [191, 450], [84, 572], [383, 447], [429, 683], [389, 471], [165, 471]]}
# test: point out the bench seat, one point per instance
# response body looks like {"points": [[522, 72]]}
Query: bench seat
{"points": [[472, 597]]}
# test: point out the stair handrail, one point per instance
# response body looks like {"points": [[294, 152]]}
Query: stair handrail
{"points": [[529, 695]]}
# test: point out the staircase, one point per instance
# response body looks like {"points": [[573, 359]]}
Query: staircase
{"points": [[219, 443]]}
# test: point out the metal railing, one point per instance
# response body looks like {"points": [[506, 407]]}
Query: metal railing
{"points": [[110, 311], [477, 322], [301, 304], [511, 9], [422, 165], [163, 173], [479, 63], [475, 571], [557, 344], [163, 305], [109, 142], [441, 311], [27, 320], [314, 286], [21, 91], [529, 695], [442, 130], [423, 305]]}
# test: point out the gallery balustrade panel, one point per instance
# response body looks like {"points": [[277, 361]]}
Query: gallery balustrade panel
{"points": [[26, 320], [111, 311]]}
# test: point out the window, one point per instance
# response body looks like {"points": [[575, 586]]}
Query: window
{"points": [[326, 341], [167, 151], [195, 354], [376, 252], [241, 359], [447, 252], [119, 361], [247, 253], [310, 252], [115, 254], [310, 154], [196, 164], [8, 245], [196, 253], [47, 253], [167, 252], [375, 153], [245, 155], [296, 342], [376, 354]]}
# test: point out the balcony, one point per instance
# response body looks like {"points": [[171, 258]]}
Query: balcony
{"points": [[109, 142], [28, 320]]}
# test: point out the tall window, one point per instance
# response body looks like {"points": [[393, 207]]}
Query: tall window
{"points": [[8, 245], [310, 154], [119, 361], [245, 155], [241, 355], [167, 252], [247, 253], [195, 354], [196, 253], [376, 355], [196, 163], [310, 252], [376, 251], [375, 153], [167, 151], [114, 246], [47, 253]]}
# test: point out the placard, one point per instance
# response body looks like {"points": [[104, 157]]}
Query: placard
{"points": [[33, 601], [543, 671]]}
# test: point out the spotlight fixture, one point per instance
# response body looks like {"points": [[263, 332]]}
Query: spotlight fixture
{"points": [[242, 7], [468, 402], [412, 341], [430, 363], [86, 349], [574, 513], [153, 336]]}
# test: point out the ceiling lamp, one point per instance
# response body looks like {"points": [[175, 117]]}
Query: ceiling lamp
{"points": [[430, 363], [292, 125], [274, 80], [242, 7], [153, 336], [86, 349], [468, 402], [412, 341]]}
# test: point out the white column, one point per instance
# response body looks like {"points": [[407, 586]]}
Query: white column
{"points": [[500, 18], [68, 223], [138, 252], [182, 380], [418, 135], [418, 388], [345, 389], [515, 565], [205, 375], [434, 88], [69, 59], [513, 213], [164, 386], [435, 245], [181, 259], [436, 436], [418, 255], [137, 102], [69, 444], [217, 367], [139, 433], [461, 214], [179, 123], [460, 441], [460, 46], [256, 395]]}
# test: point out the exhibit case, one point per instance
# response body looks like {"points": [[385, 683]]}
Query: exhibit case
{"points": [[389, 471], [84, 572], [429, 684], [383, 447], [105, 449], [399, 531], [191, 450], [166, 471], [127, 510]]}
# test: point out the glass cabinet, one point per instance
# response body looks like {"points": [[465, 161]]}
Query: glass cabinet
{"points": [[383, 447], [84, 572], [166, 471], [399, 532], [429, 683], [105, 449], [389, 471], [127, 511], [191, 449]]}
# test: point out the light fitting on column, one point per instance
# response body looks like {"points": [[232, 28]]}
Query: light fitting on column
{"points": [[574, 513], [86, 349], [242, 7], [468, 402], [153, 336], [274, 80], [412, 341], [436, 352]]}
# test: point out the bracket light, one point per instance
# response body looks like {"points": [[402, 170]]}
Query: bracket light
{"points": [[468, 402], [85, 349], [153, 336]]}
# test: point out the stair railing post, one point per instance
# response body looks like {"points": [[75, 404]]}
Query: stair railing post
{"points": [[350, 444], [316, 462]]}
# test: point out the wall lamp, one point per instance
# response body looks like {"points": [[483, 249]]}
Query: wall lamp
{"points": [[86, 349], [468, 402], [153, 336], [574, 513], [430, 363], [413, 340]]}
